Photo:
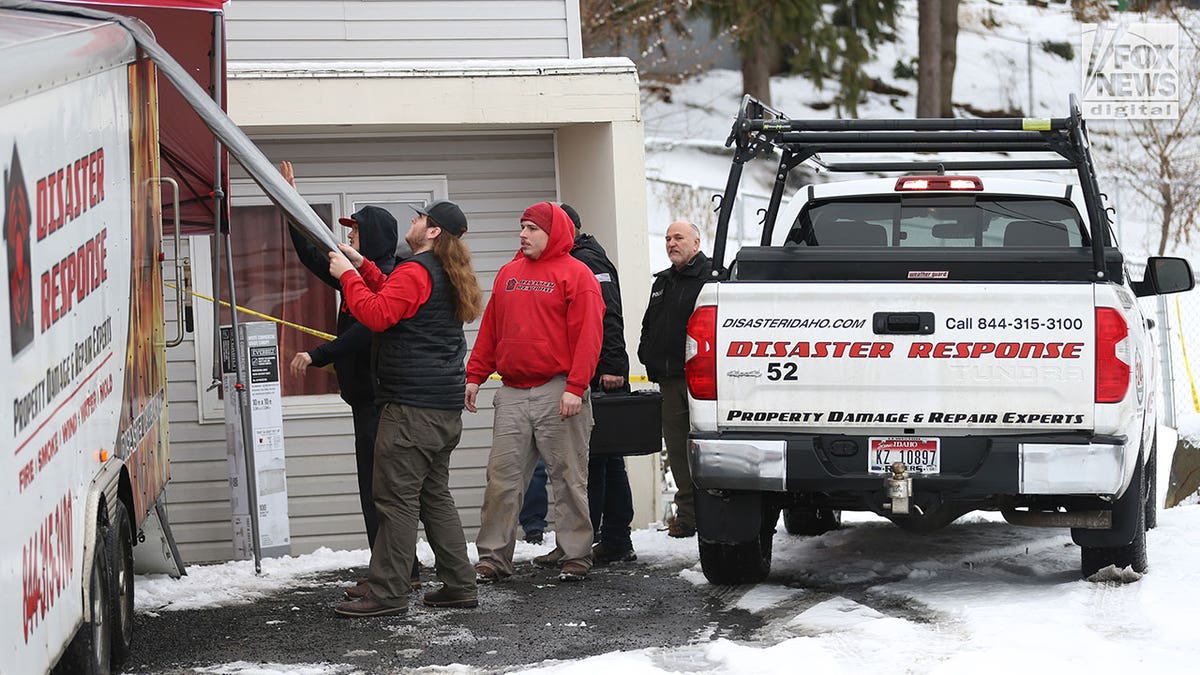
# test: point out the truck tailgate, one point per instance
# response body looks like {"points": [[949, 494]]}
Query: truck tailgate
{"points": [[955, 358]]}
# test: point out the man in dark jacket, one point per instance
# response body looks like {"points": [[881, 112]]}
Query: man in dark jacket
{"points": [[374, 233], [610, 499], [664, 332]]}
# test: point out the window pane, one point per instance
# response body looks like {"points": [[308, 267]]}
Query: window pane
{"points": [[270, 279]]}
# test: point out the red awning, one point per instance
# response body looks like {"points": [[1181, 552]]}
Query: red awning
{"points": [[186, 145]]}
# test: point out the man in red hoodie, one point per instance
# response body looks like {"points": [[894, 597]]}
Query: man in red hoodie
{"points": [[541, 331]]}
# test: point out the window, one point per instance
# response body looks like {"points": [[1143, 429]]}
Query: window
{"points": [[270, 279], [938, 221]]}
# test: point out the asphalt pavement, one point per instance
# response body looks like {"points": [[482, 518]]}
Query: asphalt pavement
{"points": [[522, 621]]}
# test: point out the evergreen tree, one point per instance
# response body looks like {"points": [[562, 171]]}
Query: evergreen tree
{"points": [[821, 40]]}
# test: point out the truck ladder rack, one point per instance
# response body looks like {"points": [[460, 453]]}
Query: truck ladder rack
{"points": [[760, 129]]}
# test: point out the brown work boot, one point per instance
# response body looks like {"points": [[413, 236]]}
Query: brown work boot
{"points": [[487, 573], [368, 606], [573, 570], [441, 598], [552, 559], [358, 590], [679, 530]]}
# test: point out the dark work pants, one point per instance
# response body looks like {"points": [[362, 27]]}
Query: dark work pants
{"points": [[412, 482], [366, 423], [676, 425], [610, 501]]}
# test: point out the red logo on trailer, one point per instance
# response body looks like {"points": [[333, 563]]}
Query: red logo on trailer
{"points": [[17, 223]]}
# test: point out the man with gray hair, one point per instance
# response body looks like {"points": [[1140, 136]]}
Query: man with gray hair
{"points": [[664, 331]]}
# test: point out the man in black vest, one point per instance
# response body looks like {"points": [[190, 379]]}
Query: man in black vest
{"points": [[419, 352], [664, 331]]}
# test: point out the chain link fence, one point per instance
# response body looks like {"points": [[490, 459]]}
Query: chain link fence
{"points": [[1177, 319]]}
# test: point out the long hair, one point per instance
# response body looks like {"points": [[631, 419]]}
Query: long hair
{"points": [[455, 258]]}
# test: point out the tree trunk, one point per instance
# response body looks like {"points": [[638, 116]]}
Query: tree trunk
{"points": [[929, 58], [1168, 214], [756, 69], [949, 33]]}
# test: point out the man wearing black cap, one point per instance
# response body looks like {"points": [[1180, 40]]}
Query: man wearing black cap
{"points": [[373, 233], [417, 314]]}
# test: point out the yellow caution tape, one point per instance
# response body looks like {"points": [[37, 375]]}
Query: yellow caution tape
{"points": [[251, 312], [320, 334], [1186, 365]]}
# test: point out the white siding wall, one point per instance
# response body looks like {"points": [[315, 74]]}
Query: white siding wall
{"points": [[493, 177], [353, 30]]}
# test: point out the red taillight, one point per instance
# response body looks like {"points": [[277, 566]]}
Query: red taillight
{"points": [[1112, 354], [701, 354], [919, 183]]}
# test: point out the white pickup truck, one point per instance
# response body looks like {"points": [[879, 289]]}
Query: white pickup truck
{"points": [[948, 339]]}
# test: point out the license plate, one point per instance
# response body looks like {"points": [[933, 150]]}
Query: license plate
{"points": [[918, 455]]}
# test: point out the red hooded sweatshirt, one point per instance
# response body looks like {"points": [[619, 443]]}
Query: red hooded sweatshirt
{"points": [[545, 317]]}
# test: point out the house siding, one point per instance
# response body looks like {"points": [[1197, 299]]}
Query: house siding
{"points": [[352, 30]]}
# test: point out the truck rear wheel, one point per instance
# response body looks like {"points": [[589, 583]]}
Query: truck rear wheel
{"points": [[741, 562], [1092, 559], [119, 547], [90, 652], [811, 521]]}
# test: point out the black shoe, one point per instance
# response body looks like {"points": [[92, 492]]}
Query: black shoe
{"points": [[603, 554], [534, 537]]}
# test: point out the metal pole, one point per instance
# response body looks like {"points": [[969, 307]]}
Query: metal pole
{"points": [[240, 353], [1164, 354]]}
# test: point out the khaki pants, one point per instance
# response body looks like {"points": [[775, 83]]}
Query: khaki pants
{"points": [[527, 426], [675, 427], [412, 480]]}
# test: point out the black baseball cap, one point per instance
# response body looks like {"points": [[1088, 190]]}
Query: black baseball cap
{"points": [[446, 214]]}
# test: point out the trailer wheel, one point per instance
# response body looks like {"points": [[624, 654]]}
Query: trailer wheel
{"points": [[119, 547], [810, 521], [741, 562], [90, 650]]}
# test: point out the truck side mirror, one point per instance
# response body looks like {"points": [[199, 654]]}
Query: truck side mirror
{"points": [[1165, 275]]}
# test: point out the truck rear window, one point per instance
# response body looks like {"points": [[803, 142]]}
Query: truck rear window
{"points": [[939, 221]]}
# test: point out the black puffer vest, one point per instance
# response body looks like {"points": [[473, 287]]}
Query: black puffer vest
{"points": [[421, 361]]}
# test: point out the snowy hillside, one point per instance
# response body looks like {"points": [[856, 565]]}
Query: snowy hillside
{"points": [[996, 40]]}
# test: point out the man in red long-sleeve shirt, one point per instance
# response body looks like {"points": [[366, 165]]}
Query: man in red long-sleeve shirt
{"points": [[418, 348], [541, 331]]}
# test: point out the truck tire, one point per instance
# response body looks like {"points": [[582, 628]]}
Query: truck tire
{"points": [[119, 547], [747, 562], [1092, 559], [811, 521], [90, 650]]}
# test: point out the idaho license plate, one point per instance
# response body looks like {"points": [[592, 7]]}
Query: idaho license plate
{"points": [[918, 455]]}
